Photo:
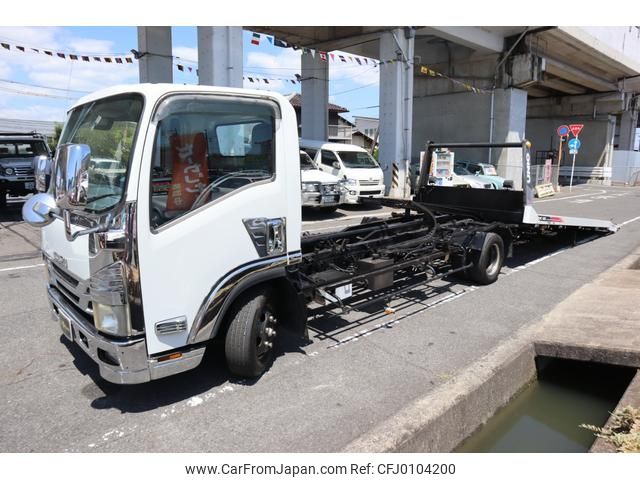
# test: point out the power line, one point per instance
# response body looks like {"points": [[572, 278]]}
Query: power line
{"points": [[354, 89], [41, 86], [36, 94]]}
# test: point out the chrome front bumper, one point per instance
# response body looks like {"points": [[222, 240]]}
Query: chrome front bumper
{"points": [[314, 199], [119, 361]]}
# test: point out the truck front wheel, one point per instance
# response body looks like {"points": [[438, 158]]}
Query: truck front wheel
{"points": [[488, 262], [251, 334]]}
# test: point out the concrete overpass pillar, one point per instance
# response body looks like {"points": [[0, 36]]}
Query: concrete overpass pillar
{"points": [[396, 110], [156, 63], [315, 98], [220, 56], [628, 125], [509, 120]]}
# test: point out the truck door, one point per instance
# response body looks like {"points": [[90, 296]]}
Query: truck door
{"points": [[212, 177]]}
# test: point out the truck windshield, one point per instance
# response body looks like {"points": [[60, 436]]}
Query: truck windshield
{"points": [[357, 160], [108, 127]]}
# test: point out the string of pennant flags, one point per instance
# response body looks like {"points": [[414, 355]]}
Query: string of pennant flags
{"points": [[117, 59], [255, 39], [344, 58], [433, 73]]}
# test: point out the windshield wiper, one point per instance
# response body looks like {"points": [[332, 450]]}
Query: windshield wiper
{"points": [[100, 197]]}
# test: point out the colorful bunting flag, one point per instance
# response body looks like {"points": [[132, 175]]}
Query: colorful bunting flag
{"points": [[20, 48], [280, 43], [323, 56], [255, 39], [118, 60], [73, 57], [86, 59], [61, 55]]}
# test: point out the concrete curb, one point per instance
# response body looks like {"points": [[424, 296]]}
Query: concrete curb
{"points": [[439, 421]]}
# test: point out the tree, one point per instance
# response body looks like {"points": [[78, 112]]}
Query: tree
{"points": [[53, 140]]}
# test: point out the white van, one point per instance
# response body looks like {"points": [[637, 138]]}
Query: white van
{"points": [[360, 173]]}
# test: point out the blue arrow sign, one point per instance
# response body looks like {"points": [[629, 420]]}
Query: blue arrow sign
{"points": [[574, 144]]}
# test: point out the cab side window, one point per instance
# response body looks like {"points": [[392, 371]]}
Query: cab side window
{"points": [[474, 168], [207, 148], [327, 158]]}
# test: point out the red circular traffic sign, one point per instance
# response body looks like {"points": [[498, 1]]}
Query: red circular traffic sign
{"points": [[563, 131]]}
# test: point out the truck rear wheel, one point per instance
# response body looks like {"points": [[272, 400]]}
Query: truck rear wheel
{"points": [[251, 334], [488, 263]]}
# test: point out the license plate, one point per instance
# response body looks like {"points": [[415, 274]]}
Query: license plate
{"points": [[329, 199], [29, 185], [65, 326]]}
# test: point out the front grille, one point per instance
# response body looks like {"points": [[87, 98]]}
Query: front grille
{"points": [[72, 288], [331, 189], [23, 171], [369, 183], [68, 278]]}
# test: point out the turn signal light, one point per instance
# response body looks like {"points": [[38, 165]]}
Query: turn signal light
{"points": [[172, 356]]}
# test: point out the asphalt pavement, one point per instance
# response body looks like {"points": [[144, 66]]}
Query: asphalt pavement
{"points": [[357, 370]]}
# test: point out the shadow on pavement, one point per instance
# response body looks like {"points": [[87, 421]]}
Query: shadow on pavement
{"points": [[12, 212], [210, 374]]}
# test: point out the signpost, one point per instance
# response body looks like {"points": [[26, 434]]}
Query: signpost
{"points": [[574, 146], [563, 133]]}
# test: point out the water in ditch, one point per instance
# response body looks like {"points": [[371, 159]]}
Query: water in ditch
{"points": [[546, 415]]}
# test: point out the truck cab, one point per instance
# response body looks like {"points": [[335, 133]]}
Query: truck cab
{"points": [[167, 202]]}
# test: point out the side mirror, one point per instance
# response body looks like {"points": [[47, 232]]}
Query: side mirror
{"points": [[336, 165], [72, 176], [42, 171], [40, 210]]}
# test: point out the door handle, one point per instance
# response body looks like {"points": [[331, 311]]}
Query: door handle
{"points": [[276, 236]]}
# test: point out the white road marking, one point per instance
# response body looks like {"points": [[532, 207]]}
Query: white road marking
{"points": [[21, 268], [629, 221], [582, 200], [573, 196], [348, 217]]}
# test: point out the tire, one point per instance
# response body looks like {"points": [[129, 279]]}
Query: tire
{"points": [[329, 209], [3, 198], [251, 334], [488, 263]]}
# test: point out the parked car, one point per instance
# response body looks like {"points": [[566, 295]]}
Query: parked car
{"points": [[319, 189], [462, 176], [360, 172], [486, 173], [20, 154]]}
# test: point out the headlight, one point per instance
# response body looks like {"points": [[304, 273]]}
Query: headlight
{"points": [[9, 171], [351, 182], [310, 187], [112, 319], [108, 296]]}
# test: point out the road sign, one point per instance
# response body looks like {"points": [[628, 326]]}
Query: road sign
{"points": [[575, 129], [573, 152], [574, 144], [563, 131]]}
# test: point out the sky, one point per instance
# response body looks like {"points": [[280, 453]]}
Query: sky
{"points": [[53, 84]]}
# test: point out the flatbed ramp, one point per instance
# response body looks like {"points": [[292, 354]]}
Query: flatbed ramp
{"points": [[513, 207]]}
